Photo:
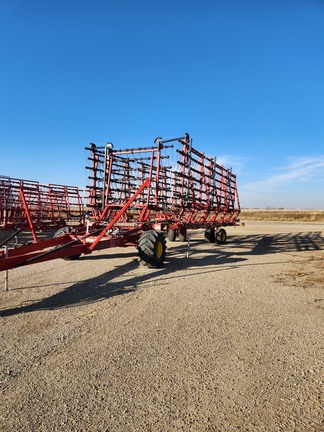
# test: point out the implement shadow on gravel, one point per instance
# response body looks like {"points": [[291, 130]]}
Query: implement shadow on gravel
{"points": [[88, 291], [104, 286], [280, 243]]}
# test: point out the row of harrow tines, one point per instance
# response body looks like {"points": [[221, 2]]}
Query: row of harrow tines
{"points": [[193, 189]]}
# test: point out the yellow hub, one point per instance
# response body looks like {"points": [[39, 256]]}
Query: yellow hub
{"points": [[159, 250]]}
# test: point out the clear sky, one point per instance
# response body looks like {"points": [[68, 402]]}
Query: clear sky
{"points": [[244, 78]]}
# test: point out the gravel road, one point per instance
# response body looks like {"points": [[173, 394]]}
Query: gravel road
{"points": [[227, 339]]}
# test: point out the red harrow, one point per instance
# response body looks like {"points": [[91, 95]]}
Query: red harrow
{"points": [[136, 196], [30, 205]]}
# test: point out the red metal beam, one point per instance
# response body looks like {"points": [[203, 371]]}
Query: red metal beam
{"points": [[30, 222]]}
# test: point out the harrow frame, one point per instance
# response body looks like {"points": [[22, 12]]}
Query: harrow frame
{"points": [[34, 206]]}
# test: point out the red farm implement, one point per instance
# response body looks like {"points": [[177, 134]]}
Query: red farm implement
{"points": [[136, 196], [30, 205]]}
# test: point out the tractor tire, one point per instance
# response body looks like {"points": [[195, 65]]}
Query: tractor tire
{"points": [[221, 236], [61, 232], [151, 248], [210, 235], [172, 234], [182, 235]]}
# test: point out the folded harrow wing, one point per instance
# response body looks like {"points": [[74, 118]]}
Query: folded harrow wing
{"points": [[136, 196], [30, 205]]}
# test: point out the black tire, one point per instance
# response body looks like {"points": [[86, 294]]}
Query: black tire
{"points": [[61, 232], [221, 236], [151, 248], [210, 235], [172, 234], [182, 235]]}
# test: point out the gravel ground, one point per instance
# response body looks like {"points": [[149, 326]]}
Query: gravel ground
{"points": [[227, 339]]}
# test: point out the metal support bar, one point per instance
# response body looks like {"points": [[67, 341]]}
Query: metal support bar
{"points": [[10, 237], [31, 225], [6, 272], [188, 245]]}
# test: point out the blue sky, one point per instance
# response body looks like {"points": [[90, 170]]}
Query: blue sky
{"points": [[244, 78]]}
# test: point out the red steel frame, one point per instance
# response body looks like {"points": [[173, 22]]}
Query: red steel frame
{"points": [[134, 190]]}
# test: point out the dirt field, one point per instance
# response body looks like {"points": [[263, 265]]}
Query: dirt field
{"points": [[227, 339]]}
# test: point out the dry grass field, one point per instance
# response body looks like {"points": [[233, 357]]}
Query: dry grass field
{"points": [[309, 273], [283, 215]]}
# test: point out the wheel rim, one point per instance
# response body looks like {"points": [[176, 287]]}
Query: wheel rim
{"points": [[159, 250]]}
